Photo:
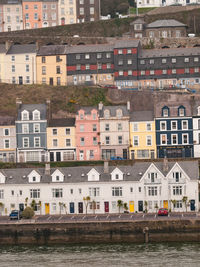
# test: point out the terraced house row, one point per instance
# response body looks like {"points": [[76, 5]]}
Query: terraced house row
{"points": [[31, 14], [123, 64], [171, 129], [143, 186]]}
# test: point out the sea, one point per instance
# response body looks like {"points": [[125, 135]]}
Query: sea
{"points": [[159, 254]]}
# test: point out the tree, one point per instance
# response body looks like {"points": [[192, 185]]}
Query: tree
{"points": [[33, 204], [185, 201], [40, 205], [1, 207], [125, 206], [86, 202], [28, 213], [119, 204], [26, 201], [156, 207], [146, 205], [174, 201]]}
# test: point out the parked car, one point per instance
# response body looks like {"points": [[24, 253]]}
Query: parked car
{"points": [[116, 158], [163, 212], [15, 215]]}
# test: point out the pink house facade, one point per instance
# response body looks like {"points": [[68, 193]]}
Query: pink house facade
{"points": [[87, 134]]}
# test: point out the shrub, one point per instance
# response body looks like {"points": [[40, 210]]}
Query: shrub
{"points": [[28, 213]]}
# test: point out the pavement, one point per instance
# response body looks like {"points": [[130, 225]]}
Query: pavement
{"points": [[68, 218]]}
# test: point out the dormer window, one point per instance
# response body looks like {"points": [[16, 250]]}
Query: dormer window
{"points": [[81, 116], [34, 179], [119, 113], [117, 176], [106, 114], [177, 176], [57, 178], [181, 111], [152, 176], [165, 112], [25, 115], [36, 115]]}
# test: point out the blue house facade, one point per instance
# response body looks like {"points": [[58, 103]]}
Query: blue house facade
{"points": [[174, 133], [31, 135]]}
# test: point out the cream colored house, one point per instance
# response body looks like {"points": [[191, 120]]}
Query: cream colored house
{"points": [[51, 65], [20, 64], [12, 16], [67, 12]]}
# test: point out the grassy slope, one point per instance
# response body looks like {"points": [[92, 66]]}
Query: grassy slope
{"points": [[63, 98]]}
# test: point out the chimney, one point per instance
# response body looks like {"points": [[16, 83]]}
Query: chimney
{"points": [[37, 45], [8, 45], [106, 167], [128, 105], [165, 164], [47, 169], [100, 106], [48, 102], [18, 104]]}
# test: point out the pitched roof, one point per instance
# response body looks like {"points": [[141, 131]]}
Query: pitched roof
{"points": [[2, 48], [87, 109], [150, 53], [30, 108], [137, 21], [52, 50], [90, 48], [79, 174], [165, 23], [113, 110], [126, 43], [7, 120], [22, 49], [61, 122], [146, 115]]}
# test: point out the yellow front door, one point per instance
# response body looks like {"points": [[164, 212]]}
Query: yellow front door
{"points": [[165, 204], [131, 206], [46, 208]]}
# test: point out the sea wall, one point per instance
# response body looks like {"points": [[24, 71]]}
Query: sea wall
{"points": [[102, 232]]}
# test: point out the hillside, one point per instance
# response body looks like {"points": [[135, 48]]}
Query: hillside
{"points": [[110, 28], [64, 99]]}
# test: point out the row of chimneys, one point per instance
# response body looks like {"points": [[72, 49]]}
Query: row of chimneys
{"points": [[106, 167]]}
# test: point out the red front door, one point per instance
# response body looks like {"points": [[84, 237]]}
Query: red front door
{"points": [[106, 206]]}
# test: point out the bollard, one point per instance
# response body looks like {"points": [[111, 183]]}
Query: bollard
{"points": [[146, 234]]}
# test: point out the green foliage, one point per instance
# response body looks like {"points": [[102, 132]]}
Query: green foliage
{"points": [[119, 204], [28, 213]]}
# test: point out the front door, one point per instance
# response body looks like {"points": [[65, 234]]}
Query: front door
{"points": [[20, 80], [140, 205], [58, 157], [46, 208], [192, 205], [51, 156], [51, 81], [81, 155], [165, 204], [106, 206], [75, 80], [71, 207], [80, 207], [131, 206], [21, 206], [124, 153], [132, 154]]}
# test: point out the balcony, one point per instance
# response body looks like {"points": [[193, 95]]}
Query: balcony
{"points": [[148, 181]]}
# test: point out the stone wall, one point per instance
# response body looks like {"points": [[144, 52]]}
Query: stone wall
{"points": [[94, 232]]}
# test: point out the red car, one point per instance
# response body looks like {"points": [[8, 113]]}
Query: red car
{"points": [[162, 212]]}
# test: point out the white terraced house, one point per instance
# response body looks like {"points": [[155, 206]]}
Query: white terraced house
{"points": [[143, 186]]}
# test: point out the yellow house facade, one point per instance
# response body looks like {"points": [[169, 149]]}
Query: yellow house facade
{"points": [[51, 65], [61, 144], [142, 135]]}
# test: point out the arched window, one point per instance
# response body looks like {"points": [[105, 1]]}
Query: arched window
{"points": [[181, 111], [165, 111], [25, 115], [106, 114], [119, 113], [36, 115]]}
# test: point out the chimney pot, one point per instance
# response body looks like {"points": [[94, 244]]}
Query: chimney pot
{"points": [[47, 169], [106, 167]]}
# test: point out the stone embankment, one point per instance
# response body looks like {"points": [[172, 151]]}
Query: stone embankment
{"points": [[187, 230]]}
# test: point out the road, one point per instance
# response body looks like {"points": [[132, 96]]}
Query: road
{"points": [[67, 218]]}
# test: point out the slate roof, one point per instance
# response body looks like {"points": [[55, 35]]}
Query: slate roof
{"points": [[113, 110], [150, 53], [7, 120], [87, 109], [142, 116], [126, 43], [61, 122], [52, 50], [165, 23], [75, 174], [22, 49], [90, 48], [2, 48], [138, 21], [30, 108]]}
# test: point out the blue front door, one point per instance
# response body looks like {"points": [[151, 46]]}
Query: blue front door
{"points": [[71, 207], [192, 204]]}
